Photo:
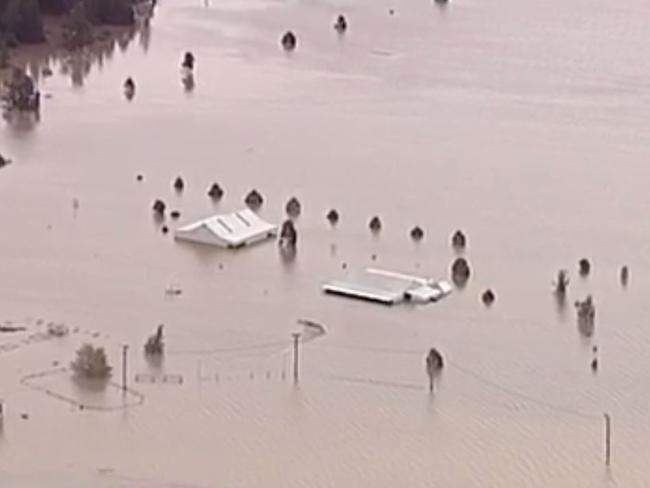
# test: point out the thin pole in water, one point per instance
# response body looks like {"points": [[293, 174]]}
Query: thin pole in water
{"points": [[608, 439], [296, 342], [125, 348]]}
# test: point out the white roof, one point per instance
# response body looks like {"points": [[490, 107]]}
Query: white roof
{"points": [[228, 230], [388, 287], [368, 286]]}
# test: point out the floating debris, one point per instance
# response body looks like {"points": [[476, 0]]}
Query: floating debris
{"points": [[173, 291], [561, 283], [458, 240], [625, 275], [417, 234], [594, 364], [584, 266], [332, 217], [215, 192], [375, 224], [164, 229], [159, 208], [293, 207], [312, 328], [155, 344], [139, 178], [254, 199], [460, 271], [11, 328], [341, 24], [289, 41], [57, 330], [488, 297], [179, 184], [175, 214]]}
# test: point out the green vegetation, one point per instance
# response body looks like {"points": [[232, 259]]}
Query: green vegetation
{"points": [[5, 57], [155, 345], [78, 30], [21, 94], [111, 12], [91, 363], [21, 21]]}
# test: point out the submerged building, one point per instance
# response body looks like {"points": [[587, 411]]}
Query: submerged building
{"points": [[388, 287], [230, 231]]}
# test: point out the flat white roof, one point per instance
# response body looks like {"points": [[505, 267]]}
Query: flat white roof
{"points": [[387, 287], [228, 230]]}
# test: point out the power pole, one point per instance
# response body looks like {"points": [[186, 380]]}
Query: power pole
{"points": [[608, 439], [125, 348], [296, 342]]}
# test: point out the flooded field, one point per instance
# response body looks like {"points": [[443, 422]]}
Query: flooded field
{"points": [[522, 123]]}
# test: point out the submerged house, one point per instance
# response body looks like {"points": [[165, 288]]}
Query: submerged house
{"points": [[230, 231], [388, 287]]}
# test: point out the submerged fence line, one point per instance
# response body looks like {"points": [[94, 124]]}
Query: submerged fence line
{"points": [[482, 379], [206, 352], [27, 379]]}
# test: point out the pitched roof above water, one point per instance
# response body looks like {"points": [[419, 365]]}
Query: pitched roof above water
{"points": [[228, 230]]}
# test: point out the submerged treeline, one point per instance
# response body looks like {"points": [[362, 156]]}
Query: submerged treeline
{"points": [[21, 21]]}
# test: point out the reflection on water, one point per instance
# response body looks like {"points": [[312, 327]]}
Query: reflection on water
{"points": [[21, 121], [561, 305], [188, 81], [288, 254], [77, 65], [144, 35]]}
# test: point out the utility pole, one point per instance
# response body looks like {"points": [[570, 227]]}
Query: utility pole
{"points": [[125, 348], [296, 342], [608, 439]]}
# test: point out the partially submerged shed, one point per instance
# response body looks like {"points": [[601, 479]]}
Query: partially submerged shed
{"points": [[388, 287], [231, 231]]}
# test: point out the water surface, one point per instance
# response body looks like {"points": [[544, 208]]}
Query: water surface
{"points": [[524, 124]]}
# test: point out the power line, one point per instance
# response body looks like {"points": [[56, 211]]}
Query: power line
{"points": [[509, 391]]}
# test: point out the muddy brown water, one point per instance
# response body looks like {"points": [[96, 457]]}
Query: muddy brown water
{"points": [[523, 123]]}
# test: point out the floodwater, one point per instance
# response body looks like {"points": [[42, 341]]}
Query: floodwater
{"points": [[523, 123]]}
